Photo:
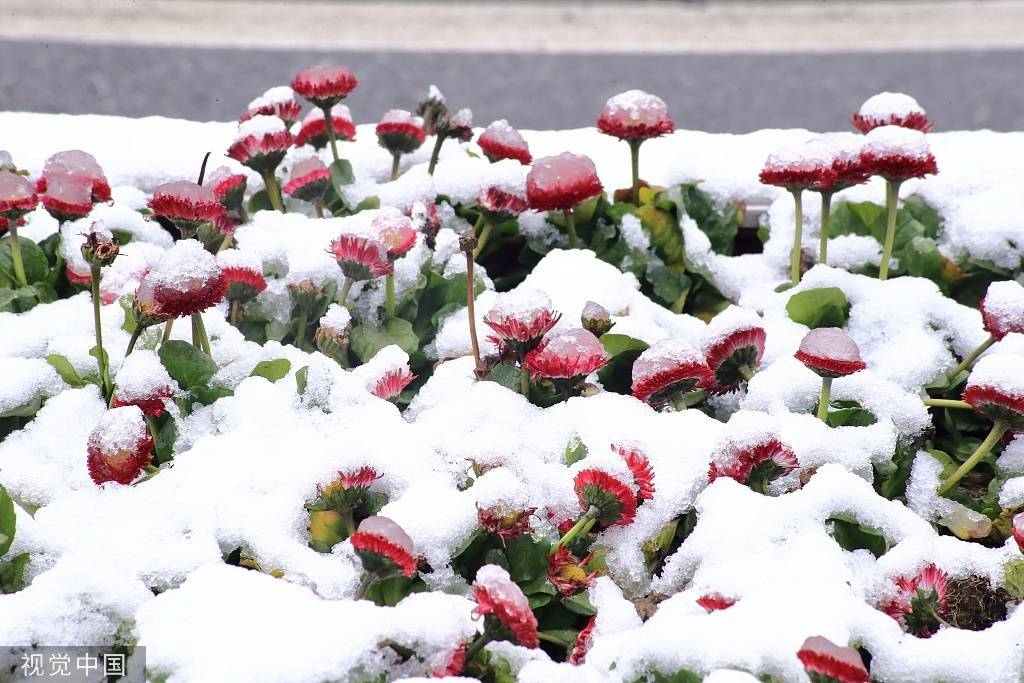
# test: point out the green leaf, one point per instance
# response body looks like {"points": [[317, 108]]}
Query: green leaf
{"points": [[272, 370], [28, 409], [580, 604], [1013, 577], [186, 364], [260, 201], [368, 203], [8, 521], [563, 636], [851, 535], [125, 302], [37, 267], [12, 573], [614, 344], [921, 258], [507, 375], [527, 558], [341, 173], [575, 450], [301, 377], [850, 414], [166, 435], [623, 351], [822, 307], [366, 341], [66, 370]]}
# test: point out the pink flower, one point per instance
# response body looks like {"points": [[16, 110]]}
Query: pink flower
{"points": [[754, 465], [1017, 528], [583, 642], [897, 154], [733, 354], [920, 602], [635, 115], [17, 196], [243, 284], [838, 156], [186, 280], [395, 231], [324, 86], [643, 474], [566, 355], [186, 204], [829, 352], [348, 490], [228, 187], [399, 132], [499, 599], [501, 204], [561, 182], [279, 102], [361, 258], [309, 180], [520, 319], [891, 109], [314, 127], [384, 548], [261, 143], [392, 383], [714, 602], [501, 141], [995, 402], [120, 446], [668, 369], [83, 278], [796, 167], [454, 665], [605, 497], [67, 198], [567, 574], [1002, 308], [79, 165], [824, 660]]}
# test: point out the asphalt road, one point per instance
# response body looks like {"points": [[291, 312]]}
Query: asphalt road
{"points": [[713, 92]]}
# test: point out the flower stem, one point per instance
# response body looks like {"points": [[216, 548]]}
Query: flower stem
{"points": [[474, 649], [234, 314], [273, 190], [396, 159], [435, 153], [826, 219], [634, 157], [331, 134], [994, 435], [482, 240], [947, 403], [481, 369], [318, 205], [199, 331], [300, 332], [524, 382], [226, 243], [582, 526], [364, 585], [389, 296], [98, 324], [168, 326], [136, 333], [348, 521], [19, 267], [570, 226], [969, 359], [798, 231], [892, 193], [826, 392], [343, 296], [243, 215]]}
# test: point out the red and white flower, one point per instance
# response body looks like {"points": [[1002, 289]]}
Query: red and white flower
{"points": [[395, 230], [995, 389], [638, 463], [501, 204], [260, 143], [391, 384], [80, 166], [67, 198], [186, 204], [142, 381], [228, 187], [186, 280], [841, 164], [668, 369], [309, 180], [796, 167], [605, 497], [384, 548], [897, 153], [520, 319], [504, 606], [1002, 308], [82, 278], [242, 272], [279, 101], [314, 127], [501, 141], [920, 602], [635, 115], [1017, 528], [824, 660], [891, 109], [120, 446], [584, 640], [17, 196], [733, 346], [560, 182], [399, 132], [567, 574], [361, 258], [755, 464], [830, 352], [454, 664], [348, 490], [503, 522], [324, 86], [715, 602], [568, 355]]}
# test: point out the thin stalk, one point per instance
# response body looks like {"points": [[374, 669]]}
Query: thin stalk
{"points": [[826, 218], [481, 369], [243, 215], [19, 267], [233, 319], [348, 521], [389, 296], [969, 359], [482, 240], [634, 157], [892, 193], [318, 205], [300, 333], [273, 190], [202, 169], [994, 435], [474, 649], [343, 296], [98, 324], [135, 338], [168, 326], [524, 381], [364, 585], [582, 526], [798, 233], [226, 243], [826, 392], [435, 153], [947, 403], [570, 226], [331, 134], [396, 159], [199, 329]]}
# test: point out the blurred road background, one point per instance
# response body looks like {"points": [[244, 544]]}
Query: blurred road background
{"points": [[721, 66]]}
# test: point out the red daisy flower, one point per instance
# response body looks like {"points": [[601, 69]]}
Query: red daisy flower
{"points": [[384, 548], [567, 574], [1002, 308], [361, 258], [243, 278], [823, 658], [839, 152], [829, 352], [348, 490], [501, 141], [314, 127], [505, 523], [142, 381], [635, 115], [561, 182], [897, 153], [67, 198], [501, 205], [714, 602], [583, 642], [186, 204], [17, 196], [640, 466], [394, 229], [79, 165], [120, 446], [392, 383], [454, 665], [324, 86], [891, 109], [754, 465], [667, 369], [83, 279], [399, 132], [1018, 529], [520, 319], [309, 180], [261, 143], [152, 405], [995, 391], [603, 496], [733, 347], [796, 167], [228, 187], [920, 602], [566, 355], [504, 606], [186, 280], [278, 101]]}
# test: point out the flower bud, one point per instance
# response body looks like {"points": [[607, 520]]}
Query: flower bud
{"points": [[100, 247], [596, 319]]}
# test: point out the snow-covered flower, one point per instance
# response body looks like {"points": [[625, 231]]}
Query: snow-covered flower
{"points": [[17, 196], [142, 381], [558, 183], [1017, 528], [506, 611], [261, 143], [583, 641], [243, 275], [67, 198], [733, 347], [504, 522], [840, 161], [596, 318], [830, 352], [278, 101], [313, 130], [638, 463], [566, 355], [391, 383], [346, 491], [500, 204], [897, 154], [714, 602], [77, 165], [120, 446], [635, 115], [186, 204], [667, 369], [399, 132], [891, 109], [754, 464], [185, 280], [920, 601], [332, 336], [501, 141], [384, 548], [324, 86], [454, 664], [309, 180], [361, 258], [823, 660], [796, 167], [1002, 308], [395, 231], [995, 389], [228, 187], [567, 574], [605, 497], [520, 319]]}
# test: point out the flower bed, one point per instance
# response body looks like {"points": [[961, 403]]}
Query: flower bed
{"points": [[417, 399]]}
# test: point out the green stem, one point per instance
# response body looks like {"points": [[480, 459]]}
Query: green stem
{"points": [[482, 240], [582, 526], [331, 134], [996, 433], [474, 649], [826, 392], [19, 267], [318, 206], [348, 521], [570, 226], [234, 314], [892, 193], [389, 296], [273, 190], [199, 331], [300, 333], [243, 215], [524, 382], [396, 159], [471, 315], [551, 639], [435, 153], [798, 231], [364, 585], [135, 338], [634, 157], [969, 359], [168, 326], [343, 296], [826, 218], [947, 403], [98, 324]]}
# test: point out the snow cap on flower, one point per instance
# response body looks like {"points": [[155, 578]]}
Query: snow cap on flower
{"points": [[733, 346], [635, 115], [309, 180], [459, 125], [505, 608], [501, 141], [897, 153], [824, 660], [243, 274], [260, 143], [638, 463], [142, 381], [596, 318], [120, 446], [797, 167], [566, 355], [561, 182], [185, 204], [583, 642], [395, 230], [99, 247], [80, 166], [67, 198], [567, 574], [920, 602], [715, 602], [324, 86], [520, 319], [346, 491], [840, 159], [830, 352], [667, 369], [384, 548], [185, 280], [754, 461], [389, 385], [606, 497], [1002, 309], [361, 258], [314, 127], [278, 101], [228, 187], [332, 334], [17, 196], [995, 388], [399, 132], [891, 109]]}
